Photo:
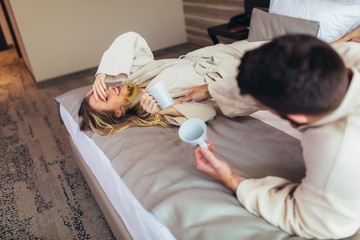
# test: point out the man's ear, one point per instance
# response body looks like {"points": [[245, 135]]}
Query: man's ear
{"points": [[298, 118], [118, 113]]}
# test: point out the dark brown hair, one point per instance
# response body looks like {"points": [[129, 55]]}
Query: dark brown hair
{"points": [[294, 74]]}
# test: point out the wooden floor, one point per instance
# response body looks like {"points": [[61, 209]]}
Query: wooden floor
{"points": [[43, 193]]}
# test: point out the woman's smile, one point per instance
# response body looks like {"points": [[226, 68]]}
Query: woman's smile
{"points": [[118, 90], [115, 100]]}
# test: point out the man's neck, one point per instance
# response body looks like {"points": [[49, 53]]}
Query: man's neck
{"points": [[312, 118], [350, 75]]}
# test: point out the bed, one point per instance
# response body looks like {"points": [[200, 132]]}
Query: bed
{"points": [[155, 192], [146, 183], [147, 186]]}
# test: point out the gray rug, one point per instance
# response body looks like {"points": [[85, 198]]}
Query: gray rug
{"points": [[43, 193]]}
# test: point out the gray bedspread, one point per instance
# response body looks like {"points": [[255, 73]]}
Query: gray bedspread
{"points": [[160, 171]]}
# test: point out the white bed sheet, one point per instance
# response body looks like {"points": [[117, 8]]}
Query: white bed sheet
{"points": [[140, 223]]}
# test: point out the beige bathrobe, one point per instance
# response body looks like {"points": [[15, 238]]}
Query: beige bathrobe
{"points": [[131, 55], [327, 202]]}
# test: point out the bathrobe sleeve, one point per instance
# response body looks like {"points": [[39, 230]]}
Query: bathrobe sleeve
{"points": [[349, 51], [325, 205], [226, 93], [203, 110], [125, 55]]}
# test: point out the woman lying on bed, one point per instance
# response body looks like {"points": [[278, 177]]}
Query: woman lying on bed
{"points": [[130, 63]]}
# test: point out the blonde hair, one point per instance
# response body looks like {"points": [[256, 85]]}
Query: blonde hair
{"points": [[106, 123]]}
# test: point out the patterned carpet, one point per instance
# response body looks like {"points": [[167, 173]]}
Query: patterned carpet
{"points": [[43, 193]]}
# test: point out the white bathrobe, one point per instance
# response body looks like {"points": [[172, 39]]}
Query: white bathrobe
{"points": [[130, 54], [327, 202]]}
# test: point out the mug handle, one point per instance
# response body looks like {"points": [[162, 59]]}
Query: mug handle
{"points": [[203, 144]]}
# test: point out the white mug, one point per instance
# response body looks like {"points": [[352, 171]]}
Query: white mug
{"points": [[161, 94], [193, 132]]}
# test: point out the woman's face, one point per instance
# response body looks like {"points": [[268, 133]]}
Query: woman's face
{"points": [[116, 99]]}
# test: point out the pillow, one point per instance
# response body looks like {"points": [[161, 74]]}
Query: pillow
{"points": [[71, 101], [266, 26], [336, 18]]}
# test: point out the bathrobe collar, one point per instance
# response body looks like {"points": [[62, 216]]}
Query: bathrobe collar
{"points": [[349, 106]]}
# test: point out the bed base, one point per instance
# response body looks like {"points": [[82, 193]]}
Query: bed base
{"points": [[112, 217]]}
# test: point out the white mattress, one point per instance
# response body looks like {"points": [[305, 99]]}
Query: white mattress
{"points": [[140, 223]]}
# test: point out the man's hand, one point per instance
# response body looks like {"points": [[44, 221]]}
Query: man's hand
{"points": [[99, 87], [197, 94], [207, 163]]}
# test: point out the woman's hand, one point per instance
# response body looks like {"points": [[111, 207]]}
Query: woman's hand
{"points": [[99, 87], [148, 103], [207, 163]]}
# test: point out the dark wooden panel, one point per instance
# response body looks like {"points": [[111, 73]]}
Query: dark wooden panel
{"points": [[202, 14], [201, 23], [202, 42], [197, 32]]}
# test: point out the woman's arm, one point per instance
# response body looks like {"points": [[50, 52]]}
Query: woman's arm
{"points": [[129, 50], [179, 111], [127, 53], [149, 104], [352, 36], [170, 111], [226, 93]]}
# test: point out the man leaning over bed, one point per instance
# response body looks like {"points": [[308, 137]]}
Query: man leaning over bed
{"points": [[305, 81]]}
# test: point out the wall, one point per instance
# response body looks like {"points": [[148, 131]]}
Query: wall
{"points": [[62, 37], [201, 14]]}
